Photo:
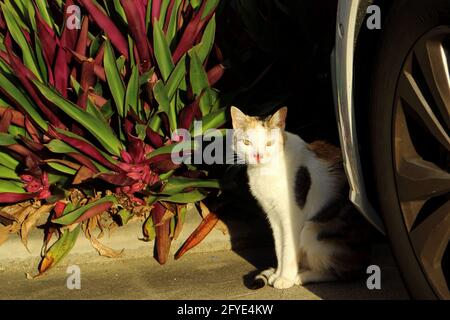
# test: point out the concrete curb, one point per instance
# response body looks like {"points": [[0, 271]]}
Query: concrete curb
{"points": [[242, 234]]}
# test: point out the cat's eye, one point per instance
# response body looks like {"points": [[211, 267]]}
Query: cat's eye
{"points": [[270, 143], [247, 142]]}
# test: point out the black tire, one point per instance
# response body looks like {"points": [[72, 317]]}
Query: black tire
{"points": [[407, 22]]}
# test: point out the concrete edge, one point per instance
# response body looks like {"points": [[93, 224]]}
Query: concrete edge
{"points": [[242, 234]]}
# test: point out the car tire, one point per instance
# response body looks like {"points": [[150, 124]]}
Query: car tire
{"points": [[407, 24]]}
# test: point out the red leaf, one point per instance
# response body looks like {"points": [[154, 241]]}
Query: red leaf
{"points": [[48, 41], [215, 74], [69, 37], [25, 75], [85, 161], [156, 10], [117, 179], [191, 33], [6, 120], [95, 210], [105, 23], [136, 24], [59, 209], [84, 147], [32, 131], [8, 197], [155, 138], [98, 69], [168, 14], [188, 114], [87, 80], [61, 72], [163, 239], [17, 117], [83, 38], [34, 146], [199, 234]]}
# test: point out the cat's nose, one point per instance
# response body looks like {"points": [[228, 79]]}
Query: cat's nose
{"points": [[258, 157]]}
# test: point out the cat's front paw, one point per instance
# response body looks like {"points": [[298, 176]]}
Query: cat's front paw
{"points": [[263, 278], [283, 283]]}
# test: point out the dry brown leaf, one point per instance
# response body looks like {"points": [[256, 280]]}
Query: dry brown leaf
{"points": [[221, 226], [31, 220], [82, 175], [104, 250], [204, 210], [167, 216], [17, 212], [4, 233]]}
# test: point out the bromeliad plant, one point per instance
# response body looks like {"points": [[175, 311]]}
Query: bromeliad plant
{"points": [[89, 108]]}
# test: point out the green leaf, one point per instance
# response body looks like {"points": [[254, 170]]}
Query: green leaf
{"points": [[9, 186], [214, 119], [209, 7], [114, 78], [188, 197], [177, 75], [17, 131], [163, 11], [7, 173], [200, 83], [162, 52], [8, 161], [119, 10], [60, 147], [132, 95], [99, 130], [18, 96], [178, 185], [19, 37], [185, 145], [94, 111], [125, 216], [173, 22], [62, 168], [149, 229], [195, 3], [44, 11], [165, 105], [203, 49], [7, 139], [71, 217], [59, 249], [95, 45]]}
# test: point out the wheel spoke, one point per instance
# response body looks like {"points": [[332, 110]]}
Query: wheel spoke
{"points": [[414, 98], [432, 59], [430, 239], [417, 179], [421, 180]]}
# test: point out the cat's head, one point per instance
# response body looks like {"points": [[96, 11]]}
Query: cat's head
{"points": [[258, 141]]}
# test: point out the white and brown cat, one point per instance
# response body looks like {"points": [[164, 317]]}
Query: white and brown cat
{"points": [[303, 190]]}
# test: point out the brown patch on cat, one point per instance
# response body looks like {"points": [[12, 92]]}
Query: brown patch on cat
{"points": [[326, 151], [332, 156]]}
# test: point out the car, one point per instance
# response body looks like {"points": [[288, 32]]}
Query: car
{"points": [[392, 97]]}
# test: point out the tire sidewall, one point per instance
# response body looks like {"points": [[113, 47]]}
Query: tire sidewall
{"points": [[407, 22]]}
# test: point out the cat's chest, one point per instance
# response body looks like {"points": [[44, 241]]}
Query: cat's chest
{"points": [[270, 187]]}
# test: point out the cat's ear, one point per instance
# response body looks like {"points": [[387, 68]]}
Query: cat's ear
{"points": [[278, 120], [238, 118]]}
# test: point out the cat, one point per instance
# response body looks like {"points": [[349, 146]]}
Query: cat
{"points": [[319, 236]]}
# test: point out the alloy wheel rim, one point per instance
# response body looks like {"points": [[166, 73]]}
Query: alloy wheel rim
{"points": [[421, 143]]}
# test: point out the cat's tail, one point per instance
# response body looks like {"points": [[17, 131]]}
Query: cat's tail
{"points": [[259, 282]]}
